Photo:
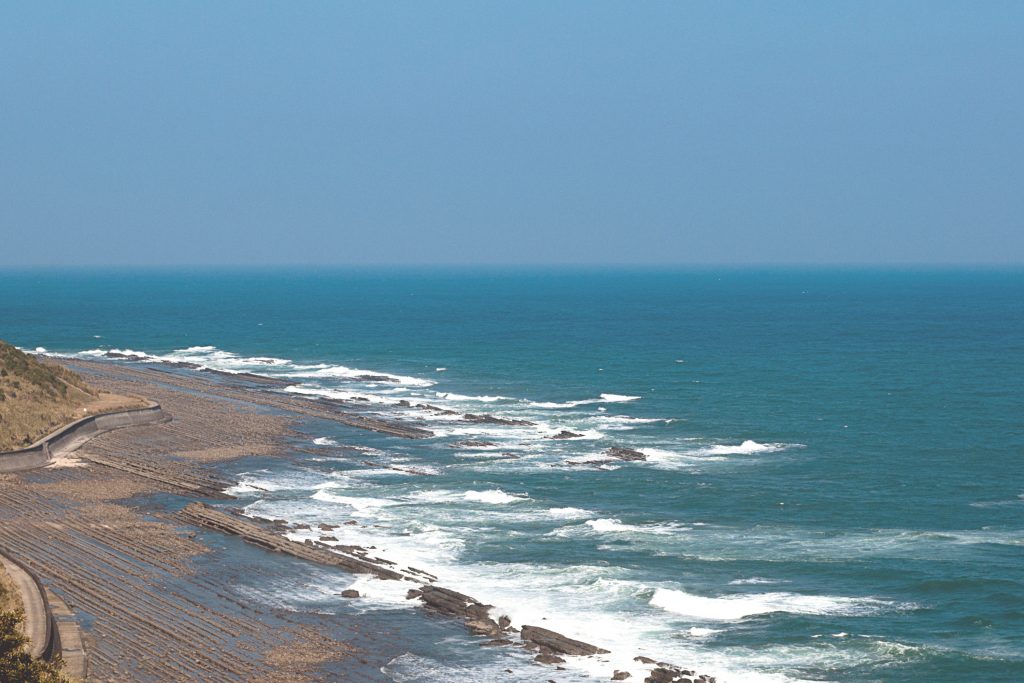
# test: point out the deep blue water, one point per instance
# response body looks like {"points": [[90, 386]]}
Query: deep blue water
{"points": [[834, 487]]}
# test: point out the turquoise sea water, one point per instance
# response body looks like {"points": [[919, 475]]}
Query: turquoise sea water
{"points": [[834, 483]]}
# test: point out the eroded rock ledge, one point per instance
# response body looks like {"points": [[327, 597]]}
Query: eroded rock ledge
{"points": [[551, 647]]}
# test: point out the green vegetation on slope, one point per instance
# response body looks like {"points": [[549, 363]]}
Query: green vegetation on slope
{"points": [[16, 666], [36, 398]]}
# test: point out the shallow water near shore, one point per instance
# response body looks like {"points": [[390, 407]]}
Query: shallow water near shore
{"points": [[833, 487]]}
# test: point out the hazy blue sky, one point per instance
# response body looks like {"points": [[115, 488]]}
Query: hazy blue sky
{"points": [[546, 132]]}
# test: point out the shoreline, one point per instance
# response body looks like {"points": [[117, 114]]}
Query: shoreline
{"points": [[179, 458], [129, 572]]}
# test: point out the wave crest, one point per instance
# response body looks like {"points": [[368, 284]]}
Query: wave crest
{"points": [[735, 607]]}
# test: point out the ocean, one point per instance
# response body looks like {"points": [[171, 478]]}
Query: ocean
{"points": [[833, 482]]}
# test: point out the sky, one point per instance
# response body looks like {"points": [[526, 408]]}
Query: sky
{"points": [[533, 133]]}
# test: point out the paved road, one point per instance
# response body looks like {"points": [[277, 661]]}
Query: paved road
{"points": [[35, 610]]}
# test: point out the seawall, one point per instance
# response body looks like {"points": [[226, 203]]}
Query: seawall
{"points": [[68, 438]]}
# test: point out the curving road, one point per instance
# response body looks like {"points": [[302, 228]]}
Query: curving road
{"points": [[35, 609]]}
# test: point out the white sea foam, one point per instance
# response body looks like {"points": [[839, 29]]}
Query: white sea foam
{"points": [[494, 497], [471, 399], [361, 504], [99, 353], [610, 526], [324, 441], [357, 374], [746, 448], [668, 459], [604, 398], [700, 632], [615, 526], [569, 513], [624, 422], [754, 580], [226, 361], [340, 395], [734, 607]]}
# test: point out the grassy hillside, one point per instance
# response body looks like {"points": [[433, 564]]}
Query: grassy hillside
{"points": [[36, 398]]}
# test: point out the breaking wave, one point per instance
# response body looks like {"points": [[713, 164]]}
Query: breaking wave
{"points": [[605, 398], [734, 607]]}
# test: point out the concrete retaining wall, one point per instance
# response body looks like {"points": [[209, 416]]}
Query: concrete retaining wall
{"points": [[66, 640], [68, 438]]}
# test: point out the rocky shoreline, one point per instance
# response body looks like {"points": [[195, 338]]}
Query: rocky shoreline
{"points": [[169, 458]]}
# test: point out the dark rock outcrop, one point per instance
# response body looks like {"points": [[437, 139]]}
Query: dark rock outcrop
{"points": [[473, 613], [625, 454], [558, 643], [435, 409], [547, 658], [472, 443], [350, 593], [621, 675], [666, 673], [493, 420], [565, 434]]}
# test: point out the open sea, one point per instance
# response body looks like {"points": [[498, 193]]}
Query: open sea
{"points": [[833, 487]]}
